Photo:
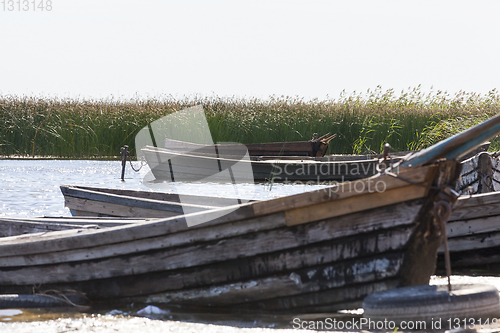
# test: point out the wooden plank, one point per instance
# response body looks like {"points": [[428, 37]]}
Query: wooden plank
{"points": [[71, 190], [475, 226], [81, 213], [289, 171], [242, 246], [298, 148], [478, 205], [345, 190], [469, 166], [118, 210], [101, 222], [267, 264], [478, 258], [170, 197], [481, 199], [474, 242], [323, 277], [353, 204], [294, 148], [13, 227], [84, 239], [485, 173], [324, 301], [143, 203], [240, 269], [470, 213]]}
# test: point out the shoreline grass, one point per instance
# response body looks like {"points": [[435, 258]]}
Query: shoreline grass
{"points": [[63, 128]]}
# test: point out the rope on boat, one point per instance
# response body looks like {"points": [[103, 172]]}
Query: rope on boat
{"points": [[442, 209], [143, 163], [61, 297], [442, 212], [49, 298]]}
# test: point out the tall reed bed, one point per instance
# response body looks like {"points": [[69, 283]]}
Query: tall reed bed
{"points": [[363, 122]]}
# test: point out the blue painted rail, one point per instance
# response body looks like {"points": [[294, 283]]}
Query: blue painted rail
{"points": [[457, 145]]}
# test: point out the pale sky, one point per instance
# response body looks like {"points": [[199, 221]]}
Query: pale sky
{"points": [[308, 49]]}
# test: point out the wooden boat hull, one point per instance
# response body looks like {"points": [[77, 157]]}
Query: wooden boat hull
{"points": [[173, 166], [316, 251], [474, 232], [295, 148], [180, 165], [102, 202]]}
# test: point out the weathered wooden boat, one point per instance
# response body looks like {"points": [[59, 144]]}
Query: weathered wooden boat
{"points": [[474, 232], [175, 166], [93, 201], [316, 147], [480, 174], [316, 251], [296, 252], [171, 165]]}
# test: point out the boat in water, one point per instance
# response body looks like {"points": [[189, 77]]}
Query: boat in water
{"points": [[316, 147], [104, 202], [180, 165], [169, 165], [318, 251], [309, 252]]}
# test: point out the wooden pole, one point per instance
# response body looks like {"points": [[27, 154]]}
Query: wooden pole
{"points": [[457, 145], [124, 153], [484, 173]]}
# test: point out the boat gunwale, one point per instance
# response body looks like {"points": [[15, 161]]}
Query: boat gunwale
{"points": [[298, 161]]}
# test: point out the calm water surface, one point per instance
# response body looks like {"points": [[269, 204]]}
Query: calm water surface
{"points": [[30, 188]]}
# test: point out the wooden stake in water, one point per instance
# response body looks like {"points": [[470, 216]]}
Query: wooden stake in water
{"points": [[124, 153]]}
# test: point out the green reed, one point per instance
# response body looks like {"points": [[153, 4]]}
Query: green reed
{"points": [[363, 122]]}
